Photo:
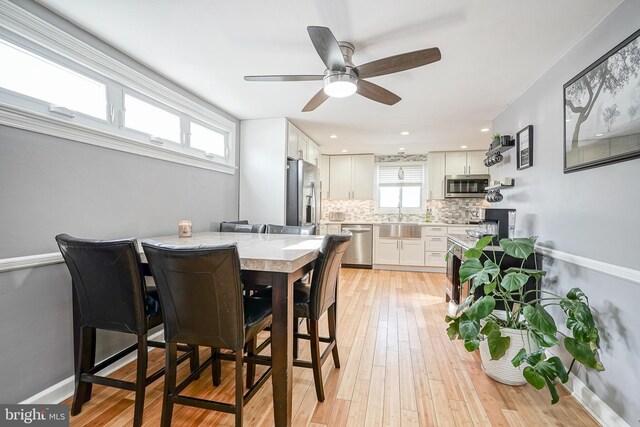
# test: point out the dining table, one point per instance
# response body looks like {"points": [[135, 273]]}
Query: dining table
{"points": [[275, 260]]}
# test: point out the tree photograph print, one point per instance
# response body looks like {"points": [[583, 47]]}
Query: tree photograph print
{"points": [[602, 109]]}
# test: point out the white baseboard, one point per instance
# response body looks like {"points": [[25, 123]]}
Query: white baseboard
{"points": [[64, 389], [593, 404], [409, 268]]}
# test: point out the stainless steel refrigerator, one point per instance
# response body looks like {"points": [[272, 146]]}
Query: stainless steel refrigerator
{"points": [[302, 193]]}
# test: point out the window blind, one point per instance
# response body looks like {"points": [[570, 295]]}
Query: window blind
{"points": [[400, 176]]}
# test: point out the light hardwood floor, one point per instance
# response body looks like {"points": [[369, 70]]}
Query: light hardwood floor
{"points": [[398, 369]]}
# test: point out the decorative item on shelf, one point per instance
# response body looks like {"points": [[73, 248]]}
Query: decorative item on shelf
{"points": [[503, 183], [513, 342], [493, 159], [525, 147], [493, 195], [184, 228], [499, 145]]}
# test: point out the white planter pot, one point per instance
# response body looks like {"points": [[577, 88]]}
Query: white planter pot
{"points": [[502, 370]]}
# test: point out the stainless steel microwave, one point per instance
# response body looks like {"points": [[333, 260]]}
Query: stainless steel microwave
{"points": [[465, 185]]}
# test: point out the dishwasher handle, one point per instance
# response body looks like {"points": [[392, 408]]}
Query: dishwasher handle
{"points": [[358, 230]]}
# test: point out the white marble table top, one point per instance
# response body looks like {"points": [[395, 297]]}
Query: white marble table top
{"points": [[283, 253]]}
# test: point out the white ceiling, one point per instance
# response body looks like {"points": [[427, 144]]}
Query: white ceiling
{"points": [[492, 50]]}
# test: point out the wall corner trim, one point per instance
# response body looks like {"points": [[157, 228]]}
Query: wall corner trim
{"points": [[29, 261]]}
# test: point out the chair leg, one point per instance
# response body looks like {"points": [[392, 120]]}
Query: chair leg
{"points": [[171, 367], [296, 322], [216, 369], [315, 359], [239, 388], [194, 360], [141, 380], [332, 317], [92, 363], [82, 392], [251, 366]]}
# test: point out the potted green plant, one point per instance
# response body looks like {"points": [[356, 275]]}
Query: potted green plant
{"points": [[513, 342]]}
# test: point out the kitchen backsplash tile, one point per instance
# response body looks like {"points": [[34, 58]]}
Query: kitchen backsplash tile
{"points": [[449, 210]]}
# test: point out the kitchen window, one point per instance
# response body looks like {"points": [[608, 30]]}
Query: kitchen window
{"points": [[399, 185], [54, 83]]}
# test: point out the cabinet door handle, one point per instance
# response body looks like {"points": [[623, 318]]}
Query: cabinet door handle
{"points": [[397, 244], [401, 245]]}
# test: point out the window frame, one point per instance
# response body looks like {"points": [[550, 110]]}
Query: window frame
{"points": [[23, 29], [423, 185]]}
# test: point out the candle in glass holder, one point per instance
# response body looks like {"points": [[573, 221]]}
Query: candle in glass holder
{"points": [[184, 228]]}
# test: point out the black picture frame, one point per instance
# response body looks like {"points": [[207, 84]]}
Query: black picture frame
{"points": [[598, 149], [524, 148]]}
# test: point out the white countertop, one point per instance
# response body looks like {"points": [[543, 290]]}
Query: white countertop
{"points": [[258, 251], [426, 224]]}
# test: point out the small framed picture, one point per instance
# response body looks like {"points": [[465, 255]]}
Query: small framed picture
{"points": [[524, 147]]}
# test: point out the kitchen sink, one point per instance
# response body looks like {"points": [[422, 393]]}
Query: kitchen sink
{"points": [[400, 231]]}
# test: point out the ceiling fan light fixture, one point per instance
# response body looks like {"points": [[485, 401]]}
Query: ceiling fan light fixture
{"points": [[340, 85]]}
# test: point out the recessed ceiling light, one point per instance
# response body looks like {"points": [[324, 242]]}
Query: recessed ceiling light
{"points": [[463, 146], [599, 134], [568, 119], [344, 151], [404, 133], [333, 136], [401, 148], [485, 130]]}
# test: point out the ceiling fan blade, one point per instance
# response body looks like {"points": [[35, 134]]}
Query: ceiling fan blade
{"points": [[402, 62], [327, 47], [377, 93], [315, 102], [283, 78]]}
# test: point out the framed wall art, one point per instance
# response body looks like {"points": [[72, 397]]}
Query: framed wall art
{"points": [[524, 147], [602, 110]]}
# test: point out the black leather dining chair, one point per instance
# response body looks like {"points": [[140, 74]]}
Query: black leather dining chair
{"points": [[230, 227], [312, 301], [109, 288], [240, 221], [304, 230], [201, 295]]}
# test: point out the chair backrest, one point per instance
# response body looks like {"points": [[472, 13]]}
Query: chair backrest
{"points": [[242, 228], [291, 229], [325, 273], [108, 282], [241, 221], [200, 293]]}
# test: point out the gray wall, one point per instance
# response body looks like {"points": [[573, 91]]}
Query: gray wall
{"points": [[592, 213], [50, 185]]}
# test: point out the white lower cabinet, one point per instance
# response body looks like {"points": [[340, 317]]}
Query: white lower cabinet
{"points": [[388, 252], [411, 252], [334, 229], [435, 259]]}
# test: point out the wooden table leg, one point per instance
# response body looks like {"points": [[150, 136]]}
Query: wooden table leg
{"points": [[282, 348]]}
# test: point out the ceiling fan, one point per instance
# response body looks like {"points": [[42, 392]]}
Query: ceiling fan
{"points": [[342, 78]]}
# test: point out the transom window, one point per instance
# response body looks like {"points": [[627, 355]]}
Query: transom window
{"points": [[89, 103], [399, 185]]}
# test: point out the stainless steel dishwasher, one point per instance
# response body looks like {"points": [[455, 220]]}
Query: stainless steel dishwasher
{"points": [[360, 251]]}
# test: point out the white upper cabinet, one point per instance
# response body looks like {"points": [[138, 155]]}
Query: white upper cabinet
{"points": [[465, 163], [292, 142], [324, 177], [313, 153], [436, 172], [362, 177], [475, 163], [456, 163], [300, 146], [351, 177]]}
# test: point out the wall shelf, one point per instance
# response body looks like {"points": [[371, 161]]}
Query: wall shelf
{"points": [[499, 187]]}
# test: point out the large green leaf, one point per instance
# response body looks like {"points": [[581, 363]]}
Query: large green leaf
{"points": [[539, 319], [583, 353], [473, 269], [473, 253], [481, 308], [484, 242], [576, 294], [489, 288], [464, 304], [514, 281], [469, 329], [519, 358], [536, 274], [560, 370], [469, 269], [543, 340], [472, 345], [498, 344], [533, 378], [489, 326], [454, 329], [555, 397], [518, 248]]}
